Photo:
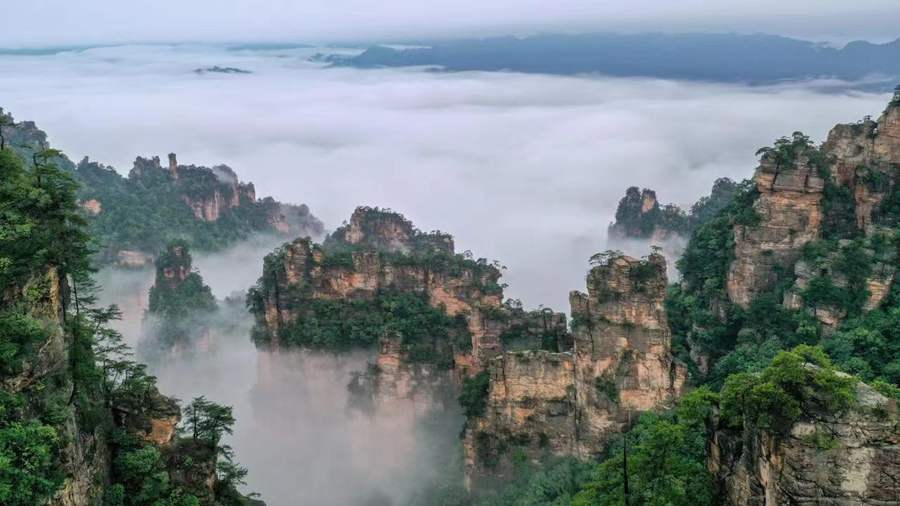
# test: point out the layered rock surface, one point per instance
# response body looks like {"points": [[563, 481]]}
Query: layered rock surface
{"points": [[573, 402], [380, 260], [826, 458], [860, 159], [790, 215]]}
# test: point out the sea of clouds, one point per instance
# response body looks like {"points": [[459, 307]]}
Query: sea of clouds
{"points": [[526, 169]]}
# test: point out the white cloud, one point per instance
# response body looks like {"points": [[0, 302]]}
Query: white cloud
{"points": [[526, 169]]}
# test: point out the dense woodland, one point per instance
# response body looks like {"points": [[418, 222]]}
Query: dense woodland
{"points": [[147, 210], [69, 390]]}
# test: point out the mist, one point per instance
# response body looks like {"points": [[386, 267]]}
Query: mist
{"points": [[525, 169], [296, 430]]}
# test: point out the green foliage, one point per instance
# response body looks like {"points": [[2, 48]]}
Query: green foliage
{"points": [[634, 221], [207, 421], [710, 250], [181, 305], [42, 225], [147, 210], [175, 298], [20, 337], [722, 194], [473, 395], [853, 262], [643, 273], [666, 461], [869, 345], [29, 468], [787, 151], [554, 483], [797, 381], [426, 333]]}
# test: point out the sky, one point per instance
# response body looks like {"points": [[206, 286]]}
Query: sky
{"points": [[51, 22], [525, 169]]}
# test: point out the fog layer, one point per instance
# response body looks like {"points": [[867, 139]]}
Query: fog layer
{"points": [[295, 431], [526, 169]]}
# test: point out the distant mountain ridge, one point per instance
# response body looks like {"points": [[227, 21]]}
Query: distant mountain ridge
{"points": [[757, 59]]}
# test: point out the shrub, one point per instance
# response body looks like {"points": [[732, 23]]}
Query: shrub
{"points": [[797, 381], [473, 396]]}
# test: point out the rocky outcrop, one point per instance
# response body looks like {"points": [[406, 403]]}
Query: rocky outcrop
{"points": [[641, 221], [92, 206], [825, 458], [393, 384], [876, 282], [866, 155], [156, 422], [531, 411], [208, 192], [131, 259], [622, 338], [181, 309], [360, 260], [640, 216], [573, 402], [790, 215], [794, 200]]}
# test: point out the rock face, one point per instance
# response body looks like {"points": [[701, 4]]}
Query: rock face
{"points": [[877, 283], [622, 337], [640, 216], [790, 215], [304, 270], [840, 459], [181, 308], [641, 221], [860, 159], [210, 193], [84, 453], [573, 402]]}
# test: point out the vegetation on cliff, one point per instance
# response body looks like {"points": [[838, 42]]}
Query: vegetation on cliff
{"points": [[375, 278], [76, 413], [640, 216], [153, 206], [815, 296], [427, 333], [181, 307]]}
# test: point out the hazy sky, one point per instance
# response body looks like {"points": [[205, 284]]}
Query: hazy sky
{"points": [[40, 22]]}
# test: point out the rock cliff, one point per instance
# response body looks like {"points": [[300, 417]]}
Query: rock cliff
{"points": [[181, 308], [134, 217], [571, 403], [641, 221], [379, 252], [433, 317], [87, 448], [808, 193], [209, 192], [825, 458]]}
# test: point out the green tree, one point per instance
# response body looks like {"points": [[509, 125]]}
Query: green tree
{"points": [[207, 421], [29, 471], [798, 380]]}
